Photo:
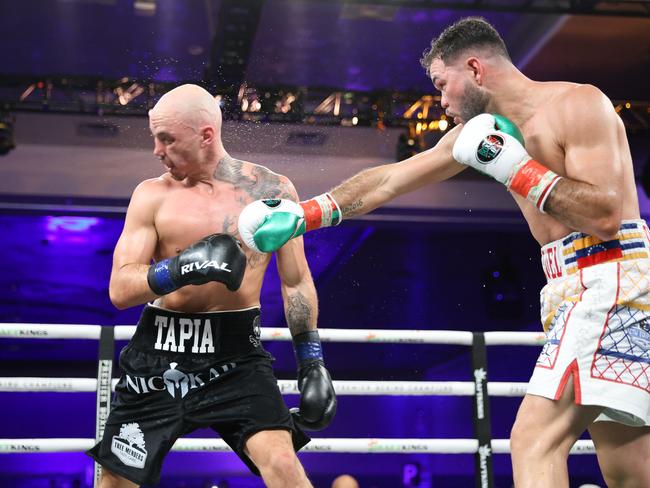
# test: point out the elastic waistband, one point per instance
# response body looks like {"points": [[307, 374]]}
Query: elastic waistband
{"points": [[578, 250], [220, 334]]}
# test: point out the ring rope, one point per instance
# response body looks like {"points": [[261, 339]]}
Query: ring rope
{"points": [[125, 332], [332, 445], [289, 387], [482, 448]]}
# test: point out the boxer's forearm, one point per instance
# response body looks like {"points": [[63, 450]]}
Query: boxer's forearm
{"points": [[297, 287], [300, 308], [364, 192], [373, 187], [129, 286], [585, 208]]}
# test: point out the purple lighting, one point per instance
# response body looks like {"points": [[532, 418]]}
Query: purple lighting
{"points": [[69, 230], [70, 224]]}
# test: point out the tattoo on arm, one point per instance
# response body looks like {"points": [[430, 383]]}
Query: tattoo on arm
{"points": [[298, 313], [262, 183], [349, 210], [256, 259]]}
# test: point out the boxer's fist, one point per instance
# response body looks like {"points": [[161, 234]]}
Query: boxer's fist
{"points": [[317, 396], [493, 145], [217, 257], [266, 225], [490, 144]]}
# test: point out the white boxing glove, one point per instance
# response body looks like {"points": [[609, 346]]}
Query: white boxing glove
{"points": [[490, 144], [266, 225], [485, 148]]}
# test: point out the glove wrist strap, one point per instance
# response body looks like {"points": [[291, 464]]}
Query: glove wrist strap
{"points": [[533, 181], [160, 279], [321, 211], [307, 347]]}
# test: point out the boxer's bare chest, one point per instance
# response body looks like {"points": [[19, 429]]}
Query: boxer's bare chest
{"points": [[189, 213], [545, 145]]}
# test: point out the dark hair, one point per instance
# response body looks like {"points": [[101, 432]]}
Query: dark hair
{"points": [[470, 32]]}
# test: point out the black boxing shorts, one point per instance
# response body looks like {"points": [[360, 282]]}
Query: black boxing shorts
{"points": [[181, 372]]}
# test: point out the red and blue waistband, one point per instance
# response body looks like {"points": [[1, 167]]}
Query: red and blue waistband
{"points": [[579, 250]]}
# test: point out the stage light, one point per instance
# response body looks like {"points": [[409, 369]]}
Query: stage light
{"points": [[125, 94]]}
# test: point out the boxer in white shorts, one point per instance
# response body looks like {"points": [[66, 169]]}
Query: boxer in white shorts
{"points": [[596, 313], [575, 174]]}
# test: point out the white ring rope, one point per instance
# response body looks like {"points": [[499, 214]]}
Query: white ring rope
{"points": [[125, 332], [333, 445], [290, 387]]}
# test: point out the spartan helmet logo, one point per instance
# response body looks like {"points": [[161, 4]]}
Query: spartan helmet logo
{"points": [[175, 379]]}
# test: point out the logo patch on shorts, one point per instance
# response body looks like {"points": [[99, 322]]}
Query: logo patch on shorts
{"points": [[176, 380], [129, 446], [489, 148], [640, 335], [257, 331]]}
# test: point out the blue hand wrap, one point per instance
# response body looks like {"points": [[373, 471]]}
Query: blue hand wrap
{"points": [[162, 278], [307, 347]]}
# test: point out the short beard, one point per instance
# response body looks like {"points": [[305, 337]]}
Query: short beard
{"points": [[474, 102]]}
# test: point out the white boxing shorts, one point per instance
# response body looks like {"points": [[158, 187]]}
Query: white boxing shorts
{"points": [[595, 310]]}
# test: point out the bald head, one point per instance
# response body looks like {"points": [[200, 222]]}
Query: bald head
{"points": [[345, 481], [191, 106]]}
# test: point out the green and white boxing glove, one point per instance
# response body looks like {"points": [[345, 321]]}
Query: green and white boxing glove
{"points": [[266, 225], [493, 145]]}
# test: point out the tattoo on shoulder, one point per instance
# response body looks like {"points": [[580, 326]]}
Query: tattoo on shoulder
{"points": [[256, 259], [230, 170], [298, 313], [350, 209], [261, 183]]}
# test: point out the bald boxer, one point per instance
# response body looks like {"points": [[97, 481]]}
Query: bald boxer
{"points": [[345, 481], [196, 359], [574, 183]]}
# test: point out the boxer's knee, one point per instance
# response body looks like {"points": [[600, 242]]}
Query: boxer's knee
{"points": [[525, 432], [533, 441], [109, 479], [282, 464], [273, 453]]}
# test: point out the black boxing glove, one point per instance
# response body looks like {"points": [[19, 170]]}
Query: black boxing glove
{"points": [[217, 257], [317, 396]]}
